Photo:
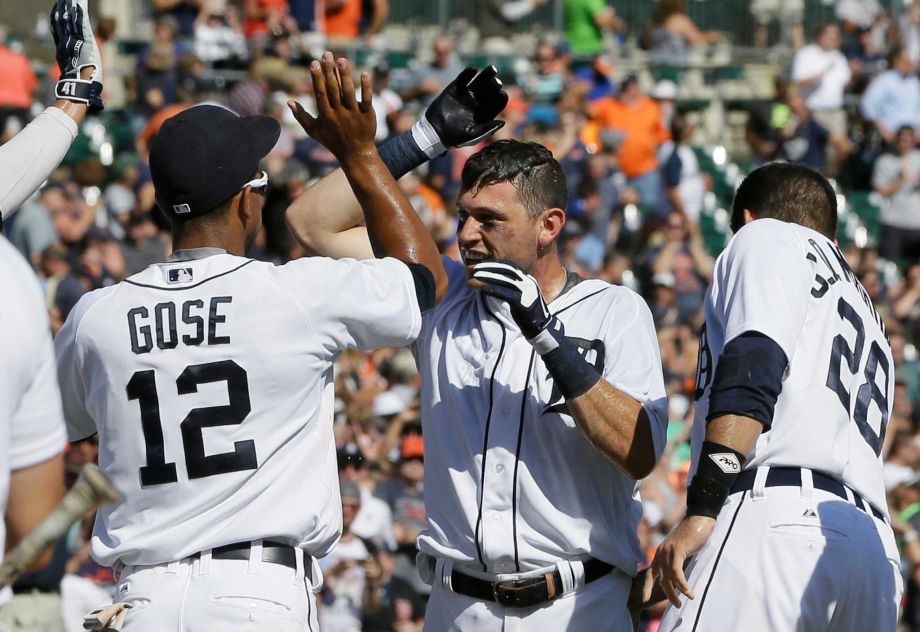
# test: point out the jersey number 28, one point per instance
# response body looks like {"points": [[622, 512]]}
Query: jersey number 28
{"points": [[142, 387], [845, 358]]}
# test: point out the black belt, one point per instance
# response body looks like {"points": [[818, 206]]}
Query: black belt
{"points": [[522, 593], [272, 552], [792, 477]]}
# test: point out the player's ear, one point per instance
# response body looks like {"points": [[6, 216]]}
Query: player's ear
{"points": [[551, 223], [749, 215]]}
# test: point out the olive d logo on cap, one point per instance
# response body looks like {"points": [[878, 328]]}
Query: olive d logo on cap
{"points": [[181, 209]]}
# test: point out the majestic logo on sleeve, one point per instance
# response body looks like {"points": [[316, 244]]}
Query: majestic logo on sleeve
{"points": [[727, 462], [593, 352], [704, 366]]}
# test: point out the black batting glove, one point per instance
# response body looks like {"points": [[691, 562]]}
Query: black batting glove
{"points": [[507, 282], [76, 49], [463, 114]]}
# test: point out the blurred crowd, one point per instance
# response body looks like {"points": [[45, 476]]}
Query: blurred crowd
{"points": [[846, 102]]}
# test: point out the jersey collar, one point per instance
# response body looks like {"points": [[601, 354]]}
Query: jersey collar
{"points": [[190, 254]]}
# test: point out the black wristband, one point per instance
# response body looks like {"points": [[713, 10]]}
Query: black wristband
{"points": [[572, 373], [401, 154], [716, 472]]}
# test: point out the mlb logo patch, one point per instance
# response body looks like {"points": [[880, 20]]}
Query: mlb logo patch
{"points": [[179, 275], [181, 209]]}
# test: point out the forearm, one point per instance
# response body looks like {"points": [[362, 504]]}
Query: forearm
{"points": [[617, 425], [903, 306], [34, 492], [516, 9], [29, 158], [734, 431], [393, 226], [887, 190], [381, 11], [327, 220]]}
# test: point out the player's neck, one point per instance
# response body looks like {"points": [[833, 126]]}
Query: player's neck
{"points": [[550, 274]]}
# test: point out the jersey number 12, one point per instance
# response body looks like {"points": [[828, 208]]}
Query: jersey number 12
{"points": [[142, 387]]}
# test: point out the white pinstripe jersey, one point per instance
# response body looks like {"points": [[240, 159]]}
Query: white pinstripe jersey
{"points": [[793, 285], [210, 383], [511, 484]]}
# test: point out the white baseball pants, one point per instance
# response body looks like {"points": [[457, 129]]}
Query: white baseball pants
{"points": [[201, 594], [796, 559]]}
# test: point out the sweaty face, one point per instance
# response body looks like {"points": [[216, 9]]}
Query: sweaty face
{"points": [[494, 224]]}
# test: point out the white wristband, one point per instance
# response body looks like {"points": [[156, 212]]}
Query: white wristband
{"points": [[544, 342], [427, 138]]}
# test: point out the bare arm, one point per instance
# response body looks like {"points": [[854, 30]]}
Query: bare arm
{"points": [[347, 129], [618, 426], [327, 220], [686, 27], [34, 492]]}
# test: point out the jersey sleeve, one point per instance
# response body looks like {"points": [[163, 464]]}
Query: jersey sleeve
{"points": [[37, 429], [633, 362], [31, 155], [364, 304], [762, 283], [68, 354]]}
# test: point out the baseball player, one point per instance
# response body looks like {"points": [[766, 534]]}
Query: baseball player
{"points": [[542, 405], [32, 434], [209, 377], [786, 511]]}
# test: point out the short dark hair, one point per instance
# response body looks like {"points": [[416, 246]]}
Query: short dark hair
{"points": [[530, 167], [788, 192]]}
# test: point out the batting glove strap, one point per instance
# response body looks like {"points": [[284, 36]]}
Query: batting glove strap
{"points": [[572, 373], [80, 91], [718, 468], [427, 139]]}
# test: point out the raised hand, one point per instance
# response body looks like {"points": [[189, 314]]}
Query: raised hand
{"points": [[464, 113], [505, 281], [344, 125], [77, 54]]}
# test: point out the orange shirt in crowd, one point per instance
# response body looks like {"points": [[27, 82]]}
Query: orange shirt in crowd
{"points": [[642, 128], [271, 10], [156, 121], [19, 82], [341, 18]]}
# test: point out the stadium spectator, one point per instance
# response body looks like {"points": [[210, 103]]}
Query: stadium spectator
{"points": [[897, 179], [805, 140], [429, 80], [789, 14], [390, 603], [17, 90], [404, 494], [374, 520], [497, 19], [343, 571], [681, 254], [765, 124], [636, 119], [62, 287], [584, 23], [684, 183], [219, 38], [866, 61], [892, 99], [821, 73], [261, 17], [183, 12], [671, 32]]}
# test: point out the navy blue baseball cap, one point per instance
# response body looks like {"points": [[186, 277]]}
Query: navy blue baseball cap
{"points": [[202, 156]]}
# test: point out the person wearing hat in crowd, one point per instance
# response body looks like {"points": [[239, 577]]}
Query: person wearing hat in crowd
{"points": [[385, 101], [209, 377], [404, 493], [374, 521], [343, 570]]}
